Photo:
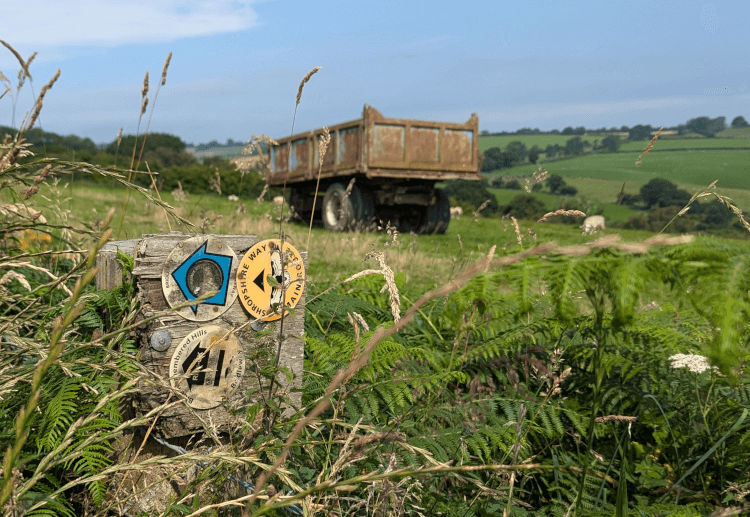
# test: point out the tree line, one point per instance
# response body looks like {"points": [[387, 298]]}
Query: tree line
{"points": [[516, 152]]}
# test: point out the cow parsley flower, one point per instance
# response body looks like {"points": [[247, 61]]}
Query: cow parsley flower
{"points": [[696, 363]]}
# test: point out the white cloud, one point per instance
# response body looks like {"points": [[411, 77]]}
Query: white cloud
{"points": [[98, 22]]}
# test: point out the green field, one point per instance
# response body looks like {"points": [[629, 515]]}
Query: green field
{"points": [[687, 143], [486, 142]]}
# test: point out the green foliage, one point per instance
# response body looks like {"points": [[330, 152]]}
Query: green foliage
{"points": [[706, 126], [574, 146], [611, 143], [471, 193], [525, 206], [640, 132], [662, 192], [739, 122], [154, 141], [555, 182]]}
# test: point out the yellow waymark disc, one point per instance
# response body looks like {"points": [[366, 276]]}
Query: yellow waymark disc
{"points": [[261, 274]]}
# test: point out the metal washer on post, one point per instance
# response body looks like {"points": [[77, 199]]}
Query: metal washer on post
{"points": [[197, 266]]}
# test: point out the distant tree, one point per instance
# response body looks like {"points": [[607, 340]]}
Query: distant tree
{"points": [[554, 132], [513, 185], [536, 187], [706, 126], [491, 160], [640, 132], [517, 151], [739, 122], [630, 199], [580, 130], [652, 191], [153, 142], [472, 193], [676, 197], [568, 190], [550, 151], [663, 193], [611, 143], [484, 132], [716, 214], [534, 153], [624, 129], [568, 131], [525, 206], [574, 146], [555, 182]]}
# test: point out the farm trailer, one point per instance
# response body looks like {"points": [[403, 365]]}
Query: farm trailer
{"points": [[394, 163]]}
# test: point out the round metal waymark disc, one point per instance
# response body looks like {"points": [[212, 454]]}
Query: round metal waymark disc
{"points": [[206, 367], [261, 274], [197, 266]]}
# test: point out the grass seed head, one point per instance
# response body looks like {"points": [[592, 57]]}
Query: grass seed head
{"points": [[164, 71], [649, 146], [304, 80]]}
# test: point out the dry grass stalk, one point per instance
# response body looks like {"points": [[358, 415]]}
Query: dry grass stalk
{"points": [[391, 231], [38, 106], [537, 177], [164, 70], [216, 181], [479, 210], [615, 418], [304, 80], [350, 186], [323, 142], [39, 178], [390, 283], [563, 213], [24, 65], [153, 184], [649, 146], [262, 193], [517, 230], [144, 90]]}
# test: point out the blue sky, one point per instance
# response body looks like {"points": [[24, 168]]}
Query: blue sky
{"points": [[236, 64]]}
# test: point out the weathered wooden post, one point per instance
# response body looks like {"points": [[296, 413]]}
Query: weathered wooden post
{"points": [[207, 355]]}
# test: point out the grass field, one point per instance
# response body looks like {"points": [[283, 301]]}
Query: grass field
{"points": [[687, 143], [424, 260], [486, 142]]}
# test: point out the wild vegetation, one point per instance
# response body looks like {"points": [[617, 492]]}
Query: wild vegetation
{"points": [[509, 367]]}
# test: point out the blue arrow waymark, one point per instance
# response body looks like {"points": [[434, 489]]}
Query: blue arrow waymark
{"points": [[224, 262]]}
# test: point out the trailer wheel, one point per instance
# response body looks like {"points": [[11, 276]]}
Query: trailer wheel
{"points": [[297, 201], [363, 207], [338, 212], [438, 215]]}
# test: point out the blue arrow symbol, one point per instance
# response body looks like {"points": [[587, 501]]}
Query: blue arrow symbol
{"points": [[223, 262]]}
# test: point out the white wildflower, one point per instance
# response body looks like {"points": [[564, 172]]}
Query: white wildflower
{"points": [[696, 363]]}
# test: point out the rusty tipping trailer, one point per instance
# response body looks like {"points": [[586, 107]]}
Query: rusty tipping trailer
{"points": [[395, 164]]}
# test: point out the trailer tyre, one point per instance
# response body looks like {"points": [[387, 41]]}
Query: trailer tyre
{"points": [[438, 215], [338, 212], [363, 207]]}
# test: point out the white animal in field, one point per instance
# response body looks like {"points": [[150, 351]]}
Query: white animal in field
{"points": [[592, 224], [278, 200], [456, 212], [232, 197]]}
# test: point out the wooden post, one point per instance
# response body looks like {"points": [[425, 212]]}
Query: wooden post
{"points": [[184, 350]]}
